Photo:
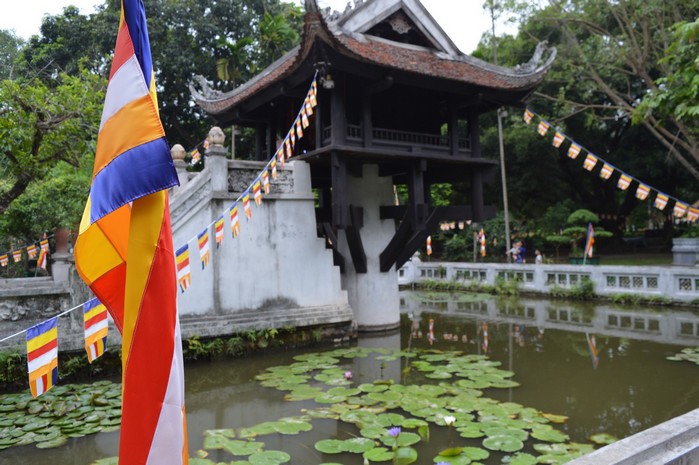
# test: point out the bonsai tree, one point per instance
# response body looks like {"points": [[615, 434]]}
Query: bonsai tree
{"points": [[576, 232]]}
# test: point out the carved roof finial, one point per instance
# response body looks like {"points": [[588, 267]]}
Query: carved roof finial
{"points": [[311, 6]]}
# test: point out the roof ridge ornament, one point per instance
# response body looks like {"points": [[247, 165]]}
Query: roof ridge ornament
{"points": [[534, 62]]}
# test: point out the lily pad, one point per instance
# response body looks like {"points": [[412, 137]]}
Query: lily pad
{"points": [[55, 442], [503, 443], [520, 458], [405, 456], [330, 446], [378, 454], [603, 439], [358, 445], [546, 433], [234, 446], [269, 457]]}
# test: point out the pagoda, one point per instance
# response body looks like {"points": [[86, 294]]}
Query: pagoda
{"points": [[398, 105]]}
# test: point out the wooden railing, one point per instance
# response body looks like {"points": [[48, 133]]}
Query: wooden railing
{"points": [[399, 140]]}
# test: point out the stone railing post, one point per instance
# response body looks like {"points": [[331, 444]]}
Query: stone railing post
{"points": [[178, 153], [60, 269], [216, 161]]}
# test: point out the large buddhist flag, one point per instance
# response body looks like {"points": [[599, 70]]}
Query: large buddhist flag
{"points": [[124, 250], [95, 319]]}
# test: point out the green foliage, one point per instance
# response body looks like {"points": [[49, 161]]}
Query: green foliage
{"points": [[505, 286], [10, 46], [577, 230]]}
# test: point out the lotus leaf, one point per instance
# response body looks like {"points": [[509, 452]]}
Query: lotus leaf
{"points": [[330, 446], [110, 461], [603, 438], [555, 418], [378, 454], [546, 433], [235, 447], [504, 431], [439, 374], [200, 461], [358, 445], [366, 387], [503, 443], [389, 419], [456, 460], [35, 425], [54, 442], [404, 456], [403, 439], [520, 458], [322, 413], [303, 393], [470, 431], [269, 457], [413, 423], [325, 398]]}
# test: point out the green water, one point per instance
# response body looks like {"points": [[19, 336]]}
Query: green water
{"points": [[630, 388]]}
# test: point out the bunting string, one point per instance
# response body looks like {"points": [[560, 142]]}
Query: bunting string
{"points": [[42, 378], [680, 209], [31, 251]]}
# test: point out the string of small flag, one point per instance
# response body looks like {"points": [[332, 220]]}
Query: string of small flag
{"points": [[680, 209], [32, 250], [42, 338]]}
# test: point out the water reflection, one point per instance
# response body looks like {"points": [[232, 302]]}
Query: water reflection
{"points": [[604, 367]]}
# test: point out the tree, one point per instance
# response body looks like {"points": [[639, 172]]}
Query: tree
{"points": [[43, 128], [577, 230], [10, 46]]}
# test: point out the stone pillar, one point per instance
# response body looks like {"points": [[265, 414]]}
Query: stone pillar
{"points": [[216, 161], [60, 269], [373, 295], [178, 153]]}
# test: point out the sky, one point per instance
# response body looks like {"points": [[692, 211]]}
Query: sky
{"points": [[464, 23]]}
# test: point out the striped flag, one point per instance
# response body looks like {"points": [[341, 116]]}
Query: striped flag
{"points": [[692, 214], [184, 274], [642, 192], [661, 201], [273, 166], [196, 156], [287, 145], [590, 162], [574, 151], [218, 229], [17, 255], [589, 241], [44, 245], [429, 245], [679, 210], [95, 319], [624, 182], [3, 260], [257, 192], [607, 171], [204, 249], [558, 139], [304, 114], [312, 95], [592, 346], [43, 259], [265, 181], [307, 107], [292, 137], [235, 223], [42, 356], [246, 205], [299, 129], [280, 155], [528, 115], [31, 252], [481, 239], [125, 252], [543, 128]]}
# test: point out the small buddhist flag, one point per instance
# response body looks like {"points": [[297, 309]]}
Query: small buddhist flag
{"points": [[307, 107], [481, 239], [543, 128], [661, 201], [184, 275], [218, 228], [679, 210], [31, 252], [607, 171], [273, 166], [96, 327], [624, 182], [528, 115], [3, 260], [235, 223], [304, 117], [265, 181], [43, 258], [558, 139], [299, 129], [287, 145], [590, 162], [44, 245], [692, 214], [257, 192], [196, 156], [642, 192], [590, 241], [292, 136], [42, 356], [17, 255], [429, 245], [204, 249], [574, 151], [280, 155], [246, 205]]}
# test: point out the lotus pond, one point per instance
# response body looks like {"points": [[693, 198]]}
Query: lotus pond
{"points": [[468, 380]]}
